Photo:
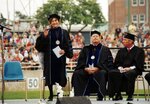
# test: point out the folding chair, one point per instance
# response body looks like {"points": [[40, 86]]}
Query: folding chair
{"points": [[13, 72], [140, 78]]}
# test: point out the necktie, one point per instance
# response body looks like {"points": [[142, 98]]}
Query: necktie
{"points": [[129, 49]]}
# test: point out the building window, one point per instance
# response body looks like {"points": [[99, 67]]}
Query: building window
{"points": [[141, 2], [134, 2], [135, 19], [141, 18]]}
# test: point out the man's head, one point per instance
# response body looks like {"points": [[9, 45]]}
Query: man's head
{"points": [[54, 20], [95, 37], [128, 40]]}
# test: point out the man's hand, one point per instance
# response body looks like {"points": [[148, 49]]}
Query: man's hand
{"points": [[91, 70], [127, 69], [122, 70], [62, 52]]}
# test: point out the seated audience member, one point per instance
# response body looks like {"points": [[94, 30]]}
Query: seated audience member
{"points": [[17, 56], [94, 62], [35, 57], [129, 63], [147, 77]]}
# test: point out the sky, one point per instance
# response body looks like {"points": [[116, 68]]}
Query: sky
{"points": [[7, 7], [104, 7]]}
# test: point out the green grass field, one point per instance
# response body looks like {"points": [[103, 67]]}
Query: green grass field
{"points": [[21, 94], [36, 94]]}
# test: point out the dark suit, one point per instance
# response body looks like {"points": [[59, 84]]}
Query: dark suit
{"points": [[126, 81], [103, 60]]}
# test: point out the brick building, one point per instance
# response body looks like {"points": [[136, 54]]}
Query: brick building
{"points": [[124, 12]]}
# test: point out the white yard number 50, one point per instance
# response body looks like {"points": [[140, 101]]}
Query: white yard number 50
{"points": [[33, 83]]}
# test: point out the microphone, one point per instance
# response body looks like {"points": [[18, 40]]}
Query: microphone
{"points": [[1, 27]]}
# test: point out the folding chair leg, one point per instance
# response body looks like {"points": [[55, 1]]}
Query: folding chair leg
{"points": [[142, 79], [69, 86], [43, 92], [42, 88], [144, 88], [137, 90], [148, 93], [26, 90]]}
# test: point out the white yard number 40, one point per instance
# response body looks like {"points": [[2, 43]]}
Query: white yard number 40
{"points": [[33, 83]]}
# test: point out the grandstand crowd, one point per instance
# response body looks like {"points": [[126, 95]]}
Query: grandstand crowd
{"points": [[20, 46]]}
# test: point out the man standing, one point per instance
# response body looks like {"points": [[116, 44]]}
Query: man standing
{"points": [[53, 40], [129, 63], [93, 64]]}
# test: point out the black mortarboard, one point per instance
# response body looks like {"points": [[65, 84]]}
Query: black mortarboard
{"points": [[129, 36], [95, 32], [53, 16]]}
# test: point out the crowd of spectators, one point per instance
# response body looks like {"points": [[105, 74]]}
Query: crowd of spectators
{"points": [[20, 46]]}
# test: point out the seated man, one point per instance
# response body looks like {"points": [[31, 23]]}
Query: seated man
{"points": [[93, 64], [129, 63], [147, 77]]}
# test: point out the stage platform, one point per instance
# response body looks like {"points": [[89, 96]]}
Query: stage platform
{"points": [[93, 101]]}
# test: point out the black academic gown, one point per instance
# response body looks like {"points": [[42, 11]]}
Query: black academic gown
{"points": [[55, 68], [135, 57], [80, 78], [147, 77], [125, 81]]}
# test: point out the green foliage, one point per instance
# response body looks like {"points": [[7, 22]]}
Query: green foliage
{"points": [[2, 19], [20, 15], [72, 12]]}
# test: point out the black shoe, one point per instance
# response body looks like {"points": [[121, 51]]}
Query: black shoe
{"points": [[111, 97], [99, 97], [130, 98], [50, 98], [117, 97]]}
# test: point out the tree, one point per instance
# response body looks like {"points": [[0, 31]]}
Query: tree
{"points": [[20, 15], [2, 19], [72, 12]]}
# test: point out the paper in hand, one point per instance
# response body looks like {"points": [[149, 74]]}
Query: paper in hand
{"points": [[56, 51]]}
